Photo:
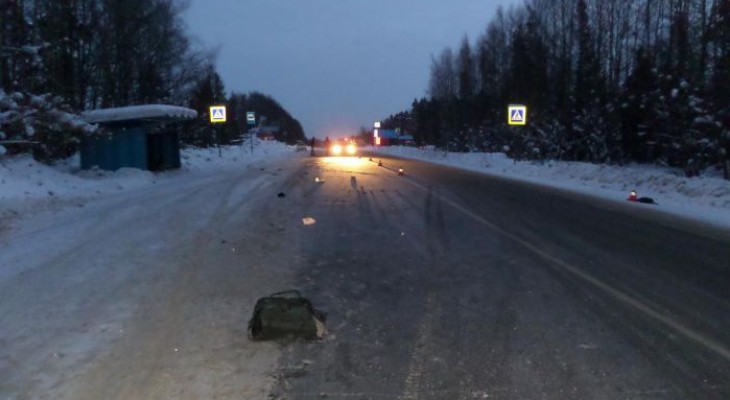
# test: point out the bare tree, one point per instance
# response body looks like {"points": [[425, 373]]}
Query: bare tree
{"points": [[443, 78], [466, 71]]}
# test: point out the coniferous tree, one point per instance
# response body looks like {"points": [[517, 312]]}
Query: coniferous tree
{"points": [[719, 88]]}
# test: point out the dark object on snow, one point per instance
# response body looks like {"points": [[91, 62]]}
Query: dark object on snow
{"points": [[633, 196], [281, 194], [286, 315], [646, 200]]}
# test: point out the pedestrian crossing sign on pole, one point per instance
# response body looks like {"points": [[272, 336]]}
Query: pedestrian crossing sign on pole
{"points": [[251, 118], [217, 114], [517, 115]]}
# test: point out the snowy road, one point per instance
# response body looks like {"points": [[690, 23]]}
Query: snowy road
{"points": [[146, 295], [441, 284]]}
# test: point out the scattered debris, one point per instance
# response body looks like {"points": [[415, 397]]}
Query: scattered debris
{"points": [[633, 196], [281, 194], [286, 315], [308, 221]]}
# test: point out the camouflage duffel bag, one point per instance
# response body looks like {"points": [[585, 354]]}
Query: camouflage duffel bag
{"points": [[286, 315]]}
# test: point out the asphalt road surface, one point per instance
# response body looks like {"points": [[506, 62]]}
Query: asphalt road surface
{"points": [[445, 284], [439, 284]]}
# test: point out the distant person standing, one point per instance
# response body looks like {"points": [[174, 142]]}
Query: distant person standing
{"points": [[327, 145]]}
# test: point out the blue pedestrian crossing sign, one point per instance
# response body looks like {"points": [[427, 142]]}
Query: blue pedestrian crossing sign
{"points": [[217, 114], [517, 115], [251, 118]]}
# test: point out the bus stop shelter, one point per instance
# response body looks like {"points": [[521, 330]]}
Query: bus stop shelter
{"points": [[134, 137]]}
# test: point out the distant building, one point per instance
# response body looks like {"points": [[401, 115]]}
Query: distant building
{"points": [[266, 132], [389, 137], [134, 137]]}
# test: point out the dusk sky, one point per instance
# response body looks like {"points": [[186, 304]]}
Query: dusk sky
{"points": [[335, 65]]}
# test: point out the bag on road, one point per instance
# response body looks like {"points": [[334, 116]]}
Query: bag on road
{"points": [[286, 315]]}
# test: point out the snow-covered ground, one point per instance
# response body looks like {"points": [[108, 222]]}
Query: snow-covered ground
{"points": [[705, 198], [130, 282], [28, 187], [24, 178]]}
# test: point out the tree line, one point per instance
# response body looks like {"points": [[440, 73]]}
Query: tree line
{"points": [[75, 55], [606, 81], [211, 91]]}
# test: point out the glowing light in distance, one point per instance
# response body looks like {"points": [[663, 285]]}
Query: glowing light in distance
{"points": [[352, 163]]}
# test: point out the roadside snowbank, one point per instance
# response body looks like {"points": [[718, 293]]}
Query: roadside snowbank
{"points": [[234, 157], [705, 198], [22, 178]]}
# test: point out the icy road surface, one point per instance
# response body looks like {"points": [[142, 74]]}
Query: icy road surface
{"points": [[440, 284]]}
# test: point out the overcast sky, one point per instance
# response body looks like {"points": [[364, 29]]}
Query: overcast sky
{"points": [[335, 65]]}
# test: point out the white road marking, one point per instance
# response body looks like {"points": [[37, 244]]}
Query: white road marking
{"points": [[697, 337]]}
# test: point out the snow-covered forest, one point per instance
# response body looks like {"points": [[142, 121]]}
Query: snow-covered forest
{"points": [[606, 81], [58, 58]]}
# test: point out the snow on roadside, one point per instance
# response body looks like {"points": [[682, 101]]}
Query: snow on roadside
{"points": [[232, 157], [705, 198], [22, 178]]}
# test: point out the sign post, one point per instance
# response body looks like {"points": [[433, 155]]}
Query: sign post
{"points": [[517, 114], [217, 116], [251, 121], [376, 136]]}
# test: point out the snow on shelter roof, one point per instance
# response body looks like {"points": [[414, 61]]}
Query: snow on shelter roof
{"points": [[158, 112]]}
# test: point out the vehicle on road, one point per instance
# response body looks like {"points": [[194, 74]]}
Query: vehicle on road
{"points": [[342, 147]]}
